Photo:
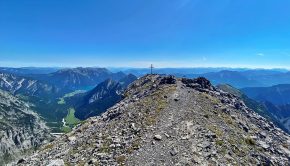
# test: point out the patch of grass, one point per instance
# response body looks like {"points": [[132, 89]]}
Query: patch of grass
{"points": [[219, 142], [121, 159], [285, 145], [130, 150], [105, 147], [70, 119], [67, 164], [156, 104], [250, 141], [223, 150], [62, 100], [231, 140], [240, 151], [228, 120], [48, 147], [136, 145], [216, 130], [66, 129], [214, 100], [150, 120], [81, 163], [73, 93]]}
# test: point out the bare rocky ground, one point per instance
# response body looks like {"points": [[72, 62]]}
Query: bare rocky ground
{"points": [[21, 129], [163, 120]]}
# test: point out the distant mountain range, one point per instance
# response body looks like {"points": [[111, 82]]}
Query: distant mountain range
{"points": [[234, 78], [79, 78], [248, 78], [28, 86], [26, 71], [87, 78], [237, 77], [197, 70], [278, 94]]}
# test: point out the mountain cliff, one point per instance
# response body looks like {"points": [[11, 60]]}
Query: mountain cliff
{"points": [[20, 129], [102, 97], [27, 86], [96, 101], [163, 120]]}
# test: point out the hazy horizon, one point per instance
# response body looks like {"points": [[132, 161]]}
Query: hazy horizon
{"points": [[148, 67], [182, 33]]}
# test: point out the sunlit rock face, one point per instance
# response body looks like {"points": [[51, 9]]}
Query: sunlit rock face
{"points": [[21, 130]]}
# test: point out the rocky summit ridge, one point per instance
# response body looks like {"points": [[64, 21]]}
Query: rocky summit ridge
{"points": [[163, 120]]}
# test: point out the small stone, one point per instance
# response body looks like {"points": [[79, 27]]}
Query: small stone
{"points": [[116, 140], [157, 137], [264, 145], [246, 128], [133, 126], [204, 145], [20, 161], [72, 139], [185, 137], [211, 135], [76, 155], [56, 163], [263, 134], [173, 152], [166, 135]]}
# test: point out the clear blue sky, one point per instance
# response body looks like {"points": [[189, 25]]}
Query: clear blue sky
{"points": [[168, 33]]}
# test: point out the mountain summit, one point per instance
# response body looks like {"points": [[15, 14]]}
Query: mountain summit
{"points": [[164, 120]]}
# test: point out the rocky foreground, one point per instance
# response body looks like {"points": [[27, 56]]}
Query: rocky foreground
{"points": [[21, 129], [169, 121]]}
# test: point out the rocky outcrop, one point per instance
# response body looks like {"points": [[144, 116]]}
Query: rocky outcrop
{"points": [[96, 101], [102, 97], [267, 110], [21, 129], [170, 121]]}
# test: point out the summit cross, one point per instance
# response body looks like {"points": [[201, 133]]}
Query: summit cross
{"points": [[151, 68]]}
